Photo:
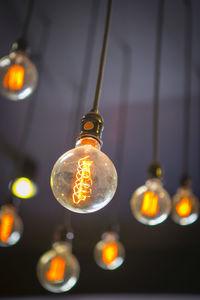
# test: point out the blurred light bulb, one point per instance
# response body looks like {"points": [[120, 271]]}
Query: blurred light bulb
{"points": [[151, 203], [23, 187], [57, 269], [109, 253], [84, 179], [185, 207], [11, 226], [18, 76]]}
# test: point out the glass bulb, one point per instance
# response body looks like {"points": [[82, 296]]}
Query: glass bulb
{"points": [[11, 226], [185, 207], [58, 269], [109, 253], [84, 179], [18, 76], [150, 203], [23, 187]]}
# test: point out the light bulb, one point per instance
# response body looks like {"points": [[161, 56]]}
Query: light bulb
{"points": [[58, 269], [11, 226], [151, 203], [18, 76], [109, 253], [23, 187], [185, 207], [84, 179]]}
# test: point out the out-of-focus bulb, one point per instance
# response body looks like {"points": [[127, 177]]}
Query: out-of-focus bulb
{"points": [[11, 226], [23, 187], [84, 179], [109, 253], [150, 203], [58, 269], [18, 76], [185, 207]]}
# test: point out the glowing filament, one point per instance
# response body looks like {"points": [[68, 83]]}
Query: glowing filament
{"points": [[150, 204], [6, 227], [83, 183], [109, 253], [184, 207], [57, 269], [14, 78]]}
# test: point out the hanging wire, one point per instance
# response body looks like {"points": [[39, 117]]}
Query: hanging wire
{"points": [[159, 34], [121, 126], [102, 59], [28, 19], [86, 65], [83, 88], [187, 83]]}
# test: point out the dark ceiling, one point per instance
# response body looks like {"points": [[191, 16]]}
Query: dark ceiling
{"points": [[160, 259]]}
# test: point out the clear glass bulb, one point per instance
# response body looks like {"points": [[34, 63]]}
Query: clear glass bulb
{"points": [[18, 76], [150, 203], [109, 253], [58, 269], [185, 207], [84, 179], [11, 226]]}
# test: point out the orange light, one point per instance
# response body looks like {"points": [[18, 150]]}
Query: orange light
{"points": [[57, 269], [150, 204], [83, 183], [184, 207], [109, 253], [14, 78], [6, 227]]}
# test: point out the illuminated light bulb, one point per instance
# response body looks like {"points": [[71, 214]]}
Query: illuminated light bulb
{"points": [[18, 76], [84, 179], [109, 253], [11, 226], [58, 269], [185, 207], [150, 203], [23, 187]]}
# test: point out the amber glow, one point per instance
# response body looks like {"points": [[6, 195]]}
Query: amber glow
{"points": [[109, 253], [57, 269], [150, 204], [83, 182], [184, 207], [6, 227], [14, 78]]}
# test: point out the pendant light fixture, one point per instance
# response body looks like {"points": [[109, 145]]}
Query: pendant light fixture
{"points": [[18, 75], [185, 206], [150, 203], [58, 269], [84, 179], [11, 226]]}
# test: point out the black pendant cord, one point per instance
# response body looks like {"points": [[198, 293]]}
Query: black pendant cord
{"points": [[187, 84], [102, 59], [86, 65], [159, 34], [28, 19], [121, 129]]}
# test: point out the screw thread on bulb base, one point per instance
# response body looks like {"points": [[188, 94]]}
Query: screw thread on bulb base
{"points": [[92, 125], [155, 170]]}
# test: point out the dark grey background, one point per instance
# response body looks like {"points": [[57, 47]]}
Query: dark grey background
{"points": [[161, 259]]}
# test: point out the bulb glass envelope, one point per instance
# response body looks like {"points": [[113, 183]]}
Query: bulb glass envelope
{"points": [[151, 203], [23, 188], [18, 76], [58, 269], [109, 253], [11, 226]]}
